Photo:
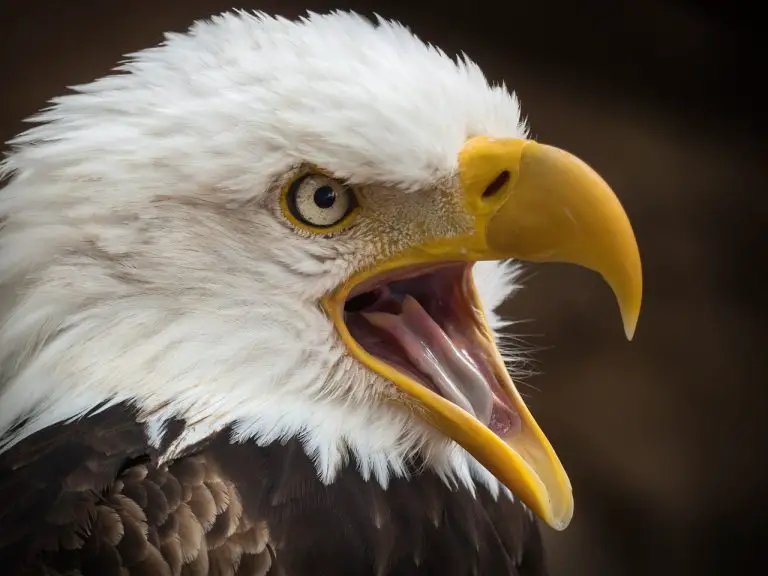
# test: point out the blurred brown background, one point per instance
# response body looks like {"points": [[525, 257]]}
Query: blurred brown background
{"points": [[663, 437]]}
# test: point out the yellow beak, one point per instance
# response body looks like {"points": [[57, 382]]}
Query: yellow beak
{"points": [[553, 208], [529, 202]]}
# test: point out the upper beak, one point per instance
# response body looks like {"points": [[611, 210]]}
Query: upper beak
{"points": [[541, 204], [529, 202]]}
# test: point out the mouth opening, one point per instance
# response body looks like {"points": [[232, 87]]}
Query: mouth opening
{"points": [[425, 323]]}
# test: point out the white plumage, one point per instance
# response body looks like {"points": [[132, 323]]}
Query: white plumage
{"points": [[143, 257]]}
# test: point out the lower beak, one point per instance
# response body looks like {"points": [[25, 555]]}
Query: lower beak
{"points": [[535, 203]]}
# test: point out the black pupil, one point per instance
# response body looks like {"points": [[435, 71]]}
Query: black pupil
{"points": [[325, 196]]}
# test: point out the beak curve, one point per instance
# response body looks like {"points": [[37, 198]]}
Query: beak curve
{"points": [[529, 202], [552, 207]]}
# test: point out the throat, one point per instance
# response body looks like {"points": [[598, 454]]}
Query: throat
{"points": [[426, 327], [427, 346]]}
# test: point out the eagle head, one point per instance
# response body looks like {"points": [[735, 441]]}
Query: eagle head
{"points": [[295, 229]]}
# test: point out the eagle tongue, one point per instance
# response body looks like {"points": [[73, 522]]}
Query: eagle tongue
{"points": [[450, 368]]}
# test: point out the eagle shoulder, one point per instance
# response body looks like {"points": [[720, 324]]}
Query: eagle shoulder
{"points": [[90, 498]]}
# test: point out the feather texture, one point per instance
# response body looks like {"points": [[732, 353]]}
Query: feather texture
{"points": [[89, 498], [143, 254]]}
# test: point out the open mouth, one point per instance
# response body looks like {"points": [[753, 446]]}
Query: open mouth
{"points": [[426, 322], [415, 318]]}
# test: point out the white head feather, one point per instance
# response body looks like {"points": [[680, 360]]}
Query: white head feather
{"points": [[142, 259]]}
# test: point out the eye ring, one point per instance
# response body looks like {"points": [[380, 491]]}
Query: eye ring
{"points": [[319, 203]]}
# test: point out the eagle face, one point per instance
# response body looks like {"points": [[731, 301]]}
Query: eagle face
{"points": [[299, 229]]}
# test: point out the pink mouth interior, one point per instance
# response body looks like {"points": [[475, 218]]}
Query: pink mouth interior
{"points": [[421, 321]]}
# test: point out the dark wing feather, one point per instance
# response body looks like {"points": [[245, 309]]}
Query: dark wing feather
{"points": [[88, 498]]}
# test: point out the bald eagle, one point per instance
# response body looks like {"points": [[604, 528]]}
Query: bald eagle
{"points": [[248, 285]]}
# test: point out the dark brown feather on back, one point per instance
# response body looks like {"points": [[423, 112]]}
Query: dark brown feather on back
{"points": [[88, 498]]}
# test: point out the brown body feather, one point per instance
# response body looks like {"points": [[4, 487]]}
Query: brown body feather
{"points": [[87, 498]]}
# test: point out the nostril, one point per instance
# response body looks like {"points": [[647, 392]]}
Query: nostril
{"points": [[497, 185]]}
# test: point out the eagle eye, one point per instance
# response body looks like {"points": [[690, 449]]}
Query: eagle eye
{"points": [[319, 203]]}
